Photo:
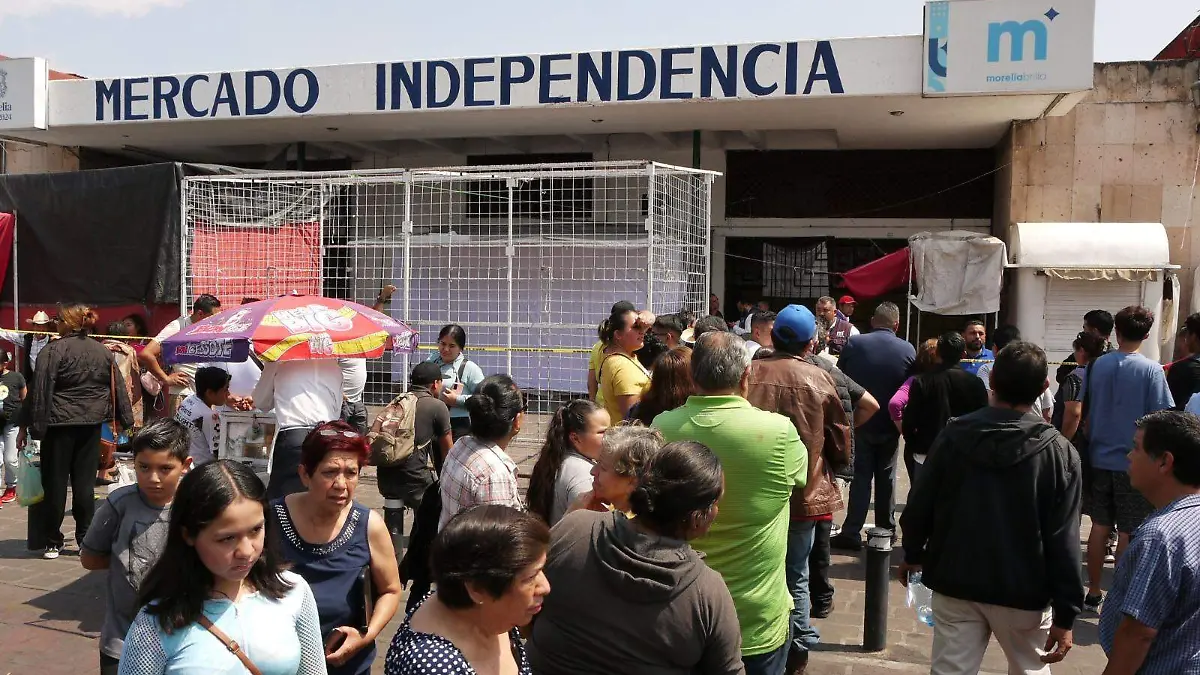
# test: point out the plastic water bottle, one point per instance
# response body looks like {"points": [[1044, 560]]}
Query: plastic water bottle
{"points": [[920, 598]]}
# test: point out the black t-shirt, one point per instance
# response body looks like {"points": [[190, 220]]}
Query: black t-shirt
{"points": [[408, 479], [11, 384]]}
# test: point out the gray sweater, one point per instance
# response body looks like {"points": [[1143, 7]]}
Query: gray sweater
{"points": [[626, 602]]}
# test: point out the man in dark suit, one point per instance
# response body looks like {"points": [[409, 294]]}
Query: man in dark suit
{"points": [[880, 362]]}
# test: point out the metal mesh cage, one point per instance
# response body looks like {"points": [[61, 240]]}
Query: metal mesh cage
{"points": [[527, 259]]}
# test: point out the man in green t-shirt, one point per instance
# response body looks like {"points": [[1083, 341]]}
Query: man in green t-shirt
{"points": [[764, 461]]}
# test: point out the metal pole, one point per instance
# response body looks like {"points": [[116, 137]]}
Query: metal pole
{"points": [[16, 277], [184, 232], [321, 241], [407, 229], [511, 252], [650, 241], [908, 303], [702, 309], [875, 614], [696, 137]]}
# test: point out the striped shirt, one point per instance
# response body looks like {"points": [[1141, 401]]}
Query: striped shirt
{"points": [[1157, 583]]}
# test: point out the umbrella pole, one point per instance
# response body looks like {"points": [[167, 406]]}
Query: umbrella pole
{"points": [[908, 303]]}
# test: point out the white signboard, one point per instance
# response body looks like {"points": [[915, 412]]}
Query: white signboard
{"points": [[1008, 46], [23, 93], [822, 68]]}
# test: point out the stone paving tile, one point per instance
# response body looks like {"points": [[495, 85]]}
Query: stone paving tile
{"points": [[51, 611]]}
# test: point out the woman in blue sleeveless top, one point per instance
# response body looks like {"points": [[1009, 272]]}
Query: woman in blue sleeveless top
{"points": [[336, 544]]}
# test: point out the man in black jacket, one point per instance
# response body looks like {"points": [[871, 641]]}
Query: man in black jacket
{"points": [[937, 396], [993, 524]]}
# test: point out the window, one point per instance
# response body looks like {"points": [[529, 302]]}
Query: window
{"points": [[547, 197]]}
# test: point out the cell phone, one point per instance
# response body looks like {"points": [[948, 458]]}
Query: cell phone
{"points": [[334, 642]]}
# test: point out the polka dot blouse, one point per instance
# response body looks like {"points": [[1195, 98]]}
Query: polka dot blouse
{"points": [[415, 653]]}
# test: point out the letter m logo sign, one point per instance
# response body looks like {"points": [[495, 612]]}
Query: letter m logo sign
{"points": [[1017, 35]]}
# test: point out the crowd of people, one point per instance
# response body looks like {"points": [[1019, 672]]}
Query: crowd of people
{"points": [[679, 519]]}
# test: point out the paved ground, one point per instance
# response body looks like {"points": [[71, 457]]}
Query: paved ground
{"points": [[51, 612]]}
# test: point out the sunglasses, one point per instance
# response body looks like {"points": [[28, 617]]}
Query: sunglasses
{"points": [[337, 432]]}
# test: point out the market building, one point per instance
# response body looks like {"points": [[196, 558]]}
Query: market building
{"points": [[831, 152]]}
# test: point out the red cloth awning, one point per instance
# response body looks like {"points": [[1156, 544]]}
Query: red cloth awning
{"points": [[7, 224], [879, 276]]}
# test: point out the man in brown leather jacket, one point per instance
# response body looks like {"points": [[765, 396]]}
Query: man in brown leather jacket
{"points": [[787, 384]]}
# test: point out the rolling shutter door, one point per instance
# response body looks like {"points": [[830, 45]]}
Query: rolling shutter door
{"points": [[1068, 301]]}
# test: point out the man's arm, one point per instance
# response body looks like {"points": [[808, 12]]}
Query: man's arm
{"points": [[1061, 545], [384, 297], [917, 518], [837, 432], [1159, 397], [1130, 646], [149, 359], [910, 423], [866, 409]]}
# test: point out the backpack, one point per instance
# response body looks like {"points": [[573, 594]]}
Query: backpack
{"points": [[393, 433]]}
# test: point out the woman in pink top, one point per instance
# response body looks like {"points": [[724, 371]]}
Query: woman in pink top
{"points": [[927, 358]]}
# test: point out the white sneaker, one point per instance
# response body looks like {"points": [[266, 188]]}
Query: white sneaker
{"points": [[51, 553]]}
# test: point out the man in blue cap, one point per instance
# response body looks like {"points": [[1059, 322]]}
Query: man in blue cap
{"points": [[786, 383]]}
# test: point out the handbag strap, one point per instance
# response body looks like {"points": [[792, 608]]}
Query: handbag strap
{"points": [[233, 647], [112, 378]]}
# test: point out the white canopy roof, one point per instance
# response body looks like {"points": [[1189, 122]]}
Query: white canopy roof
{"points": [[1098, 246]]}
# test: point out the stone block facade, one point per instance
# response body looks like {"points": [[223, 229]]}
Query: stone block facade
{"points": [[1128, 152], [24, 158]]}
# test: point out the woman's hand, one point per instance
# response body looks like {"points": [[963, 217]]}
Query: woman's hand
{"points": [[450, 394], [353, 644]]}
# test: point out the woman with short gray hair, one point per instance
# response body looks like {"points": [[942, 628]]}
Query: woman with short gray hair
{"points": [[626, 449]]}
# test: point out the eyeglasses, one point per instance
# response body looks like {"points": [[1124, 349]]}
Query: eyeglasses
{"points": [[338, 432]]}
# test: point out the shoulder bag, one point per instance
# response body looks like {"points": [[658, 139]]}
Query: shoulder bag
{"points": [[233, 647], [108, 448]]}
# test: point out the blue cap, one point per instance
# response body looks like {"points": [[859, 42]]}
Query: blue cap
{"points": [[794, 327]]}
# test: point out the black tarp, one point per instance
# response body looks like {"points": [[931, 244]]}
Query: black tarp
{"points": [[104, 237]]}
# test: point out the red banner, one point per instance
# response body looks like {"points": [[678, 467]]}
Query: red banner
{"points": [[878, 276]]}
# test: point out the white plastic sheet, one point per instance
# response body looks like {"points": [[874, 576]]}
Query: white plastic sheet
{"points": [[957, 272]]}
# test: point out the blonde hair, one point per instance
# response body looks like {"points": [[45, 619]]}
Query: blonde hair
{"points": [[629, 446], [77, 318]]}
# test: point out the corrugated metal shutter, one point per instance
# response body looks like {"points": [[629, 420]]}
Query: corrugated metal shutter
{"points": [[1068, 301]]}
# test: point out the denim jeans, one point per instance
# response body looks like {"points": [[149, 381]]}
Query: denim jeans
{"points": [[771, 663], [800, 543], [10, 455], [874, 459]]}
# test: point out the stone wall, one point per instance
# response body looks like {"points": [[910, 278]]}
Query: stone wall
{"points": [[23, 158], [1126, 153]]}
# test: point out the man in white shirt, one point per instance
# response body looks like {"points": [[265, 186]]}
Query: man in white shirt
{"points": [[1044, 405], [198, 413], [179, 380], [31, 345], [761, 325], [354, 375], [303, 394]]}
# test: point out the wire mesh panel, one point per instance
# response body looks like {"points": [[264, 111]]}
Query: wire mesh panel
{"points": [[527, 259]]}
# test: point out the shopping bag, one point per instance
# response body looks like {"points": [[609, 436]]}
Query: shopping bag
{"points": [[29, 479]]}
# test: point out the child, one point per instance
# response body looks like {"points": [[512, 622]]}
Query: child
{"points": [[198, 412], [130, 529]]}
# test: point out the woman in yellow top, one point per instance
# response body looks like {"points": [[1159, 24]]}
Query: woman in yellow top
{"points": [[622, 378], [597, 355]]}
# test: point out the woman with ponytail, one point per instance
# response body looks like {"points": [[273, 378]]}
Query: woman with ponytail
{"points": [[597, 356], [564, 468], [632, 596], [75, 390]]}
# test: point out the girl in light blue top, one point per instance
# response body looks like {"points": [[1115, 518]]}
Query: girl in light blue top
{"points": [[220, 579], [460, 375]]}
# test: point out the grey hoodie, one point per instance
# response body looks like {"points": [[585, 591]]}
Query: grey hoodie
{"points": [[622, 601], [994, 516]]}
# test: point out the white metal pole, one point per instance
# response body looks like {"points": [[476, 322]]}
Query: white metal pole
{"points": [[650, 239], [321, 242], [908, 303], [406, 230], [510, 251], [184, 233], [702, 309]]}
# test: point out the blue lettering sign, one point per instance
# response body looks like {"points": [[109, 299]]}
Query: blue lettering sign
{"points": [[669, 71], [1016, 33], [289, 90], [791, 62], [380, 86], [508, 79], [548, 76], [272, 99], [750, 67], [472, 78], [649, 75], [131, 98], [110, 93], [408, 82], [431, 77], [824, 67], [225, 96], [599, 77], [188, 106], [165, 98], [725, 74]]}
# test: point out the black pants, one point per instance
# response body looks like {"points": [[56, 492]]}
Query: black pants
{"points": [[285, 464], [70, 455], [459, 427], [820, 588], [874, 461], [109, 665]]}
